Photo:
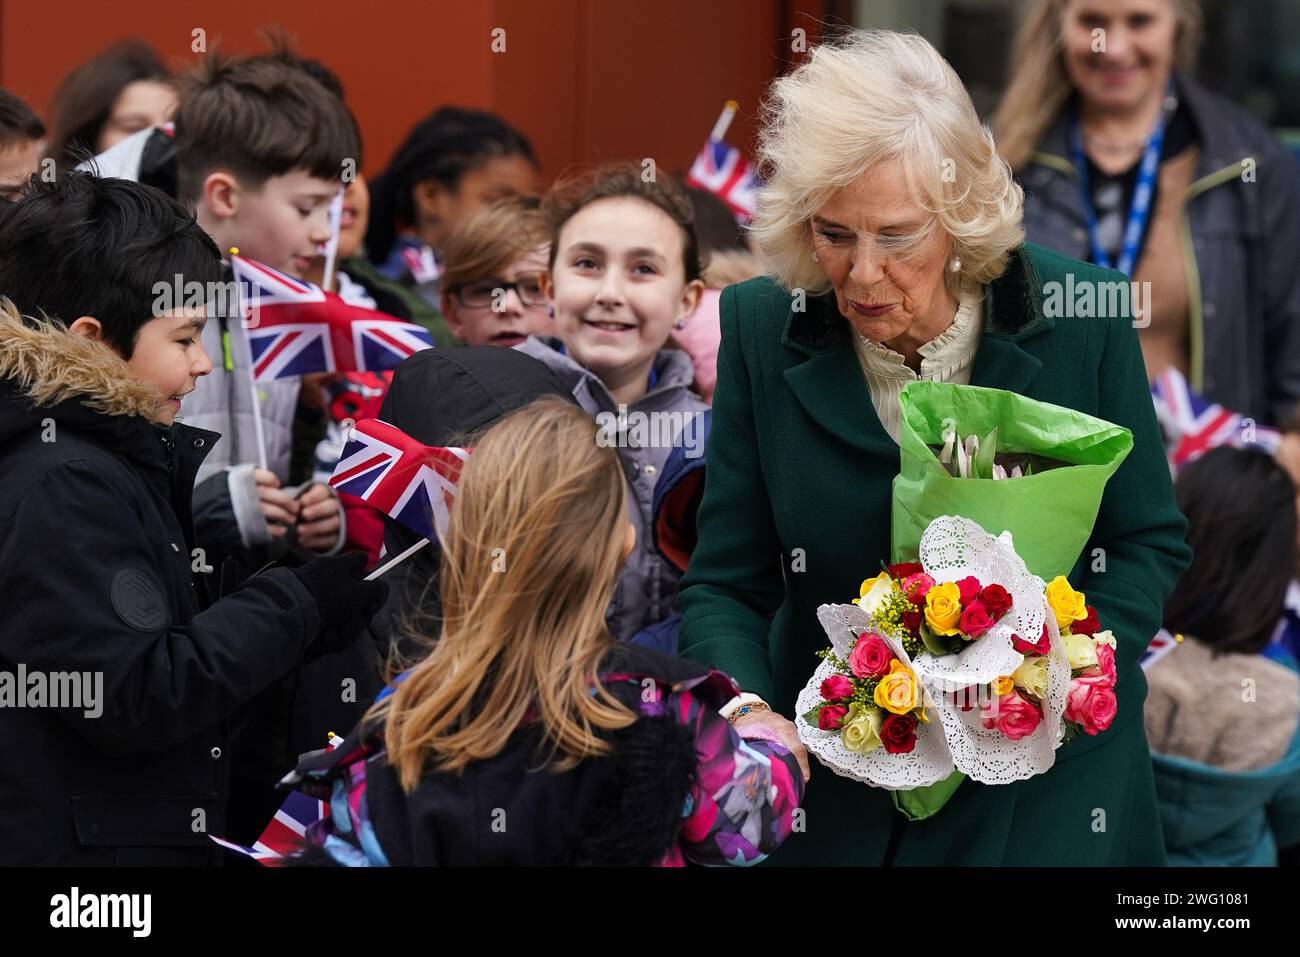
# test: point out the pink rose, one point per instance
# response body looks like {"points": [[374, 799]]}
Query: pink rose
{"points": [[831, 717], [1091, 705], [915, 587], [1040, 647], [1106, 662], [969, 588], [975, 620], [837, 687], [870, 656], [1012, 715]]}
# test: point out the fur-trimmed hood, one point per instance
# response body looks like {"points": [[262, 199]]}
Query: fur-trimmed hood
{"points": [[50, 367]]}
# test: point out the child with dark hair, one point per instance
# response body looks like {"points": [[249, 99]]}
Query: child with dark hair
{"points": [[97, 550], [1223, 707], [20, 143], [449, 165], [125, 89], [624, 272], [259, 185]]}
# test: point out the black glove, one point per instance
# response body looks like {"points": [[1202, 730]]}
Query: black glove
{"points": [[346, 601]]}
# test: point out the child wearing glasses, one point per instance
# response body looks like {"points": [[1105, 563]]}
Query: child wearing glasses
{"points": [[492, 280]]}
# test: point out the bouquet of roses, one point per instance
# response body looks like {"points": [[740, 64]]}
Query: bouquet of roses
{"points": [[943, 617], [1013, 704], [873, 699], [916, 631]]}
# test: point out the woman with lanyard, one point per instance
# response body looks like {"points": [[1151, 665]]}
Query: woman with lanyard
{"points": [[1129, 163]]}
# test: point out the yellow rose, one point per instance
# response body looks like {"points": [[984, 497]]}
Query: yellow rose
{"points": [[943, 609], [1066, 603], [1003, 685], [863, 734], [897, 690], [874, 592], [1081, 651], [1032, 676]]}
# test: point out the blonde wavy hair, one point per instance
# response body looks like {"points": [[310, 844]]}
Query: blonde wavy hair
{"points": [[873, 97], [1039, 83], [529, 562]]}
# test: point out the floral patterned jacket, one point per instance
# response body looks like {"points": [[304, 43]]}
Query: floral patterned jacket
{"points": [[735, 802]]}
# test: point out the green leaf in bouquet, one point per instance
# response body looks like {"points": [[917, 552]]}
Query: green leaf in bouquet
{"points": [[813, 714], [933, 643], [982, 467]]}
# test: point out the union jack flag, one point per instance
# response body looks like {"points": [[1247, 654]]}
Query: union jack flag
{"points": [[724, 171], [1163, 643], [286, 832], [411, 482], [1193, 425], [296, 328]]}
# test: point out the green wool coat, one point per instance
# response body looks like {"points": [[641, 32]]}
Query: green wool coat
{"points": [[796, 513]]}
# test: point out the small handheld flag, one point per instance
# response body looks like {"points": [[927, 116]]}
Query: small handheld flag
{"points": [[405, 479], [296, 328], [724, 171], [1193, 425]]}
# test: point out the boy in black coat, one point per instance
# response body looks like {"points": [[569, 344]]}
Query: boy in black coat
{"points": [[117, 672]]}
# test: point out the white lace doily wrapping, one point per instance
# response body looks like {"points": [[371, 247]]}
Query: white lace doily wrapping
{"points": [[928, 762], [954, 547], [989, 756]]}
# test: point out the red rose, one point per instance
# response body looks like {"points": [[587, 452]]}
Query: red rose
{"points": [[912, 622], [974, 621], [1089, 625], [837, 687], [831, 717], [870, 656], [904, 570], [898, 734], [1040, 647], [996, 600], [969, 588]]}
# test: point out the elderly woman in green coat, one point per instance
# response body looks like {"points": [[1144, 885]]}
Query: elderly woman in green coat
{"points": [[893, 231]]}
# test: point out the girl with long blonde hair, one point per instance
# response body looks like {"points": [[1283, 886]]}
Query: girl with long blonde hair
{"points": [[528, 735]]}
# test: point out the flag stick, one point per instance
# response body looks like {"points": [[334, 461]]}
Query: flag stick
{"points": [[400, 558], [257, 420], [332, 247], [724, 120], [252, 380]]}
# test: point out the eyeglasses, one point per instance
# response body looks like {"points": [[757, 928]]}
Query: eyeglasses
{"points": [[491, 293]]}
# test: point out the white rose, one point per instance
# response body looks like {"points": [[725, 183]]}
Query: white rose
{"points": [[876, 596]]}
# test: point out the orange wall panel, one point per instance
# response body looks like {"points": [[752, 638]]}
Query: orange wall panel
{"points": [[585, 79]]}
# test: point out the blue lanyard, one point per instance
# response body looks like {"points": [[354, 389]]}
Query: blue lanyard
{"points": [[1143, 195]]}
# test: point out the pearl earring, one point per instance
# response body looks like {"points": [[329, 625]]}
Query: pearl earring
{"points": [[955, 265], [679, 324]]}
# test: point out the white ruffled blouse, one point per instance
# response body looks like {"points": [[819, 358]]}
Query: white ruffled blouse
{"points": [[948, 357]]}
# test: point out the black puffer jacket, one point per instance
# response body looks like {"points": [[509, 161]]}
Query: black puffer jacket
{"points": [[95, 577]]}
